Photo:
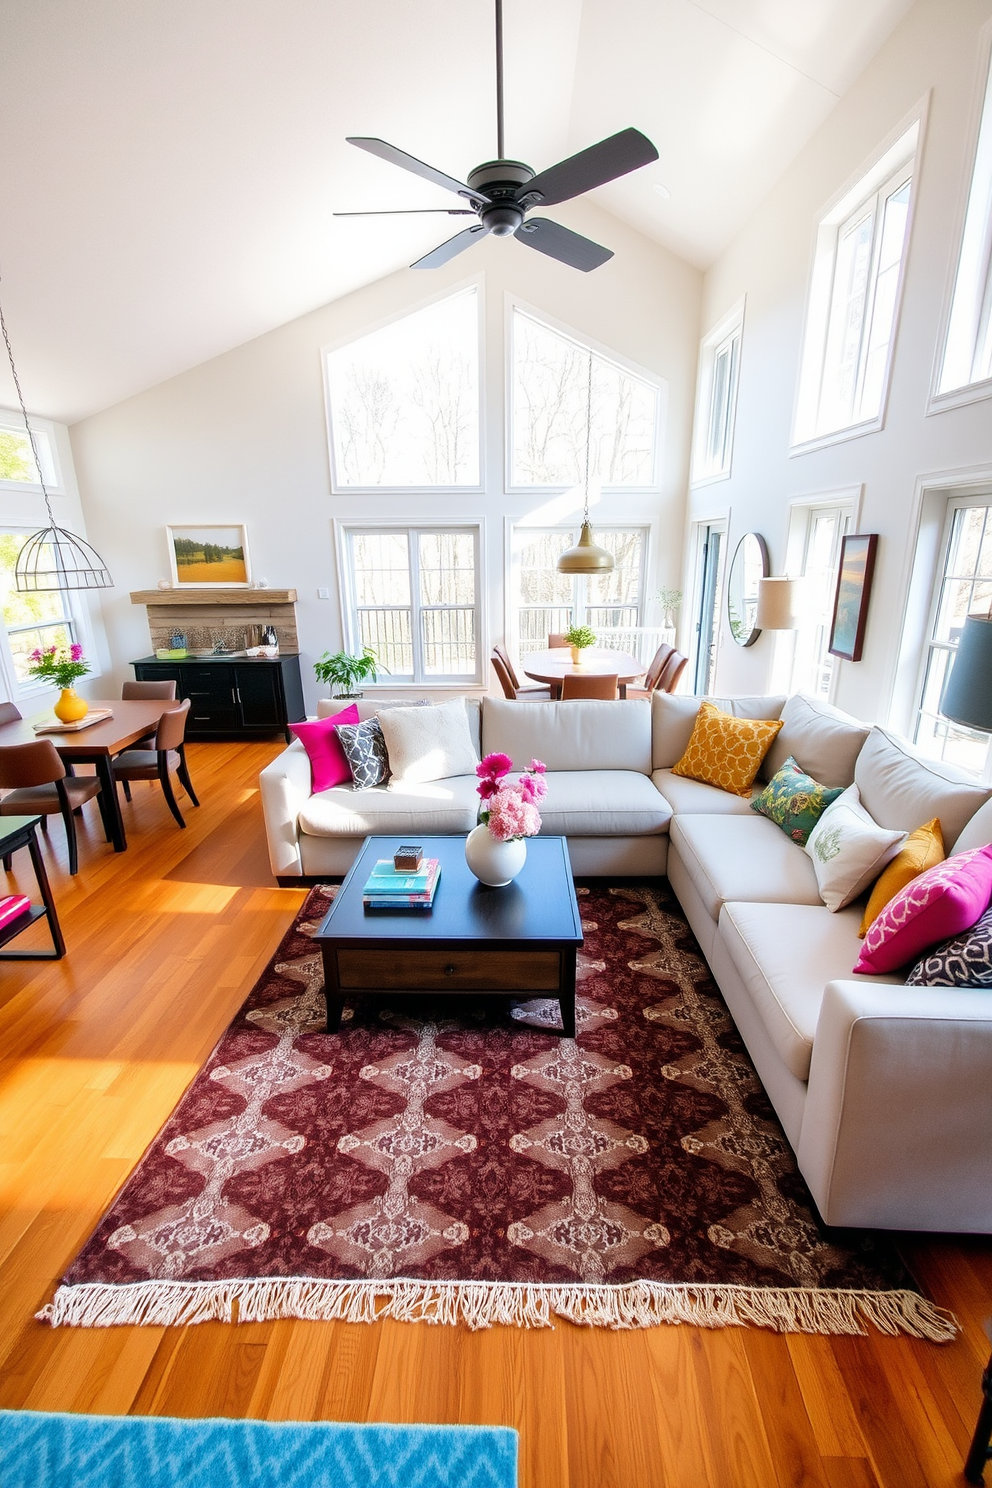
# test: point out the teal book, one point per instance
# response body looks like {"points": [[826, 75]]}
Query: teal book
{"points": [[385, 880]]}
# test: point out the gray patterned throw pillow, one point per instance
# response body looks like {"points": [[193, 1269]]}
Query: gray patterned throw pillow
{"points": [[365, 750], [964, 961]]}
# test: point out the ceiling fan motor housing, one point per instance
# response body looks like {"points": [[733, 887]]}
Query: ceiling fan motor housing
{"points": [[501, 181]]}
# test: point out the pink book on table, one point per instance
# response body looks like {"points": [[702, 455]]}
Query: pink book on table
{"points": [[11, 907]]}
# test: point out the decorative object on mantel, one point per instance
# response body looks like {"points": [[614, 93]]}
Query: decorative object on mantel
{"points": [[496, 850], [62, 666], [578, 638], [854, 576], [209, 557], [586, 557], [342, 671], [552, 1180], [53, 558]]}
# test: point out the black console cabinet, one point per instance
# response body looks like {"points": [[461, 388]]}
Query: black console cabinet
{"points": [[234, 697]]}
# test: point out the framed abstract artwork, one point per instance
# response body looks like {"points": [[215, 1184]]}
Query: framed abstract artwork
{"points": [[209, 557], [857, 565]]}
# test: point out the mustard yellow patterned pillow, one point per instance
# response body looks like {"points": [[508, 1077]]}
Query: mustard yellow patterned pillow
{"points": [[726, 751]]}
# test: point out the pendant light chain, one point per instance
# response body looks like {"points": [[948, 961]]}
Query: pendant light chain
{"points": [[585, 508], [27, 422], [586, 557]]}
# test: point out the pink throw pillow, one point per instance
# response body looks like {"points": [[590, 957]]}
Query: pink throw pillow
{"points": [[943, 901], [328, 763]]}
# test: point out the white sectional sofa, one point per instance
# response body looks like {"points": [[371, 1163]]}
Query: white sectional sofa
{"points": [[884, 1091]]}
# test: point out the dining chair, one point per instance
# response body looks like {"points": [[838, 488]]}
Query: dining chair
{"points": [[653, 674], [671, 672], [168, 755], [516, 694], [520, 689], [9, 713], [141, 691], [601, 686], [556, 640], [37, 785]]}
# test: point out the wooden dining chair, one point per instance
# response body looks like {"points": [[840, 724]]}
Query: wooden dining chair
{"points": [[37, 785], [653, 674], [671, 672], [556, 641], [506, 676], [520, 689], [601, 686], [168, 756]]}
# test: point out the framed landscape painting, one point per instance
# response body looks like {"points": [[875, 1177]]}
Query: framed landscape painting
{"points": [[857, 564], [209, 557]]}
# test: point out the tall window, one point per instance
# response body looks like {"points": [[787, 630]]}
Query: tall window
{"points": [[854, 299], [813, 665], [968, 349], [412, 594], [30, 621], [710, 538], [17, 464], [403, 401], [716, 399], [964, 587], [550, 400], [547, 601]]}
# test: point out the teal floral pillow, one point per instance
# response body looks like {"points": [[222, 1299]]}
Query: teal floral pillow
{"points": [[795, 801]]}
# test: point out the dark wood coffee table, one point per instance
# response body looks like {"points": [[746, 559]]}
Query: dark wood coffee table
{"points": [[475, 940]]}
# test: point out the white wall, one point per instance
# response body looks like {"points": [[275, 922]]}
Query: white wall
{"points": [[243, 437], [936, 50]]}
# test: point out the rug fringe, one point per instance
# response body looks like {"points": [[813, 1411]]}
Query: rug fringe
{"points": [[480, 1304]]}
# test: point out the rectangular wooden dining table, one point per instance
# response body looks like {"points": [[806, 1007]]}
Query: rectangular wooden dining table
{"points": [[96, 745]]}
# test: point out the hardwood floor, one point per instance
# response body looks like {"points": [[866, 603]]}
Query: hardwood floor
{"points": [[164, 942]]}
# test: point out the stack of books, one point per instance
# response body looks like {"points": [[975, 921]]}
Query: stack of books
{"points": [[390, 888]]}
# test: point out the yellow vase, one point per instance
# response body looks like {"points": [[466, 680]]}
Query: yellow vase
{"points": [[576, 655], [70, 707]]}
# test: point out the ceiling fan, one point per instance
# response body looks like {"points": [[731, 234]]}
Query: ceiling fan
{"points": [[501, 192]]}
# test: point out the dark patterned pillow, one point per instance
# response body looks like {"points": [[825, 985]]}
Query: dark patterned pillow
{"points": [[795, 801], [963, 961], [365, 750]]}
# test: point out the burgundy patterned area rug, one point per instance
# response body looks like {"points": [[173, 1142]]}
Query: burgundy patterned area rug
{"points": [[455, 1163]]}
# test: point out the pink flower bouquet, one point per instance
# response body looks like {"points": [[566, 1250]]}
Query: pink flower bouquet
{"points": [[510, 806], [61, 665]]}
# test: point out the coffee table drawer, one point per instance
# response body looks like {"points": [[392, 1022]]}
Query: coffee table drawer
{"points": [[432, 970]]}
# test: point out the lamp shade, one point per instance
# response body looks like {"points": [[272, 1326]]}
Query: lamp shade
{"points": [[57, 559], [587, 557], [779, 601], [967, 695]]}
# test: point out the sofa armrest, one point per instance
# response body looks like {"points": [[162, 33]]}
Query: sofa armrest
{"points": [[285, 786], [897, 1128]]}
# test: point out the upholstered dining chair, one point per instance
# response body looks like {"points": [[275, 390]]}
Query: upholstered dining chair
{"points": [[667, 666], [556, 640], [36, 783], [139, 691], [520, 689], [168, 756], [517, 694], [604, 686], [671, 672], [9, 713]]}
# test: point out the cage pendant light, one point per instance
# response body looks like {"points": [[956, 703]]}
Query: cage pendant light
{"points": [[586, 557], [52, 558]]}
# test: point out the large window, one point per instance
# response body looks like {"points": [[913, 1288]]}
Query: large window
{"points": [[964, 587], [30, 621], [17, 464], [854, 299], [558, 387], [403, 401], [547, 601], [967, 356], [412, 594], [716, 399]]}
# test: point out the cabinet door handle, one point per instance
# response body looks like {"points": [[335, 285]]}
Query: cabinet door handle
{"points": [[449, 970]]}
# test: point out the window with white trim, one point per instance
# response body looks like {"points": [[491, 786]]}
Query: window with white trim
{"points": [[854, 298], [403, 401], [17, 464], [548, 602], [967, 355], [813, 666], [716, 399], [963, 587], [413, 596], [549, 403], [31, 622]]}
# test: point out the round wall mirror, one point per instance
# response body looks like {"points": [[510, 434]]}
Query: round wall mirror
{"points": [[749, 566]]}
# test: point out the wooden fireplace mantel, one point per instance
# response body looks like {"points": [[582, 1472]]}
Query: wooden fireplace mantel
{"points": [[184, 596]]}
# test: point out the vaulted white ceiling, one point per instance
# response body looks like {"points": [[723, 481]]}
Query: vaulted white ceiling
{"points": [[170, 167]]}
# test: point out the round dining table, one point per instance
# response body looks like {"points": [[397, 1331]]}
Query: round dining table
{"points": [[597, 661]]}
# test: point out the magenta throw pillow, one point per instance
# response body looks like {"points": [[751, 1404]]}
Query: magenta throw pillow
{"points": [[942, 902], [328, 765]]}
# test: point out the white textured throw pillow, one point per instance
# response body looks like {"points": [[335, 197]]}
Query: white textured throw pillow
{"points": [[428, 743], [848, 850]]}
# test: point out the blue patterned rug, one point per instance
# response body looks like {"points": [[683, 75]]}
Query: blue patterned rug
{"points": [[43, 1450]]}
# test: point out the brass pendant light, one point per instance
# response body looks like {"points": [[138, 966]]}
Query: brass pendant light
{"points": [[586, 557], [52, 558]]}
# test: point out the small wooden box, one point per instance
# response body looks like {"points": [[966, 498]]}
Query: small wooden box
{"points": [[407, 859]]}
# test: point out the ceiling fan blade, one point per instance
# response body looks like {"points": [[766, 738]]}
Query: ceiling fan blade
{"points": [[451, 248], [612, 157], [411, 163], [561, 243], [409, 212]]}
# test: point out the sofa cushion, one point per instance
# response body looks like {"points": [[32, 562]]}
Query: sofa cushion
{"points": [[365, 750], [673, 719], [941, 903], [743, 857], [901, 789], [602, 803], [726, 751], [439, 807], [431, 743], [848, 850], [581, 734], [922, 849], [370, 707], [785, 954], [695, 798], [328, 763], [794, 801], [978, 830], [963, 961], [823, 741]]}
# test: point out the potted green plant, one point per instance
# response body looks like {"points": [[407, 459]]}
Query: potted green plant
{"points": [[579, 637], [341, 671]]}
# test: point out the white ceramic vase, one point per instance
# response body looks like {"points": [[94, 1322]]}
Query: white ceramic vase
{"points": [[494, 863]]}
